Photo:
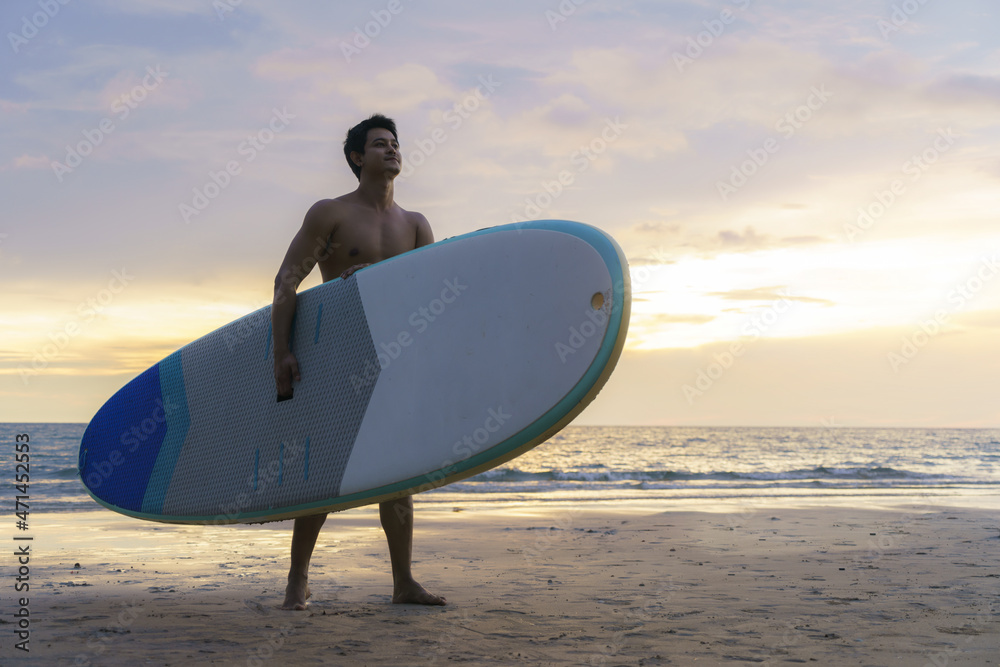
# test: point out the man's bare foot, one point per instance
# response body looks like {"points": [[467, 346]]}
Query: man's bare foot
{"points": [[296, 593], [414, 593]]}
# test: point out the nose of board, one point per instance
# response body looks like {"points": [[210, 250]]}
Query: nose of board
{"points": [[131, 439]]}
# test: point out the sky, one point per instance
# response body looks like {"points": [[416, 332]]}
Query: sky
{"points": [[807, 192]]}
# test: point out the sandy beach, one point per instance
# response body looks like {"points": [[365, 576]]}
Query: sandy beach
{"points": [[538, 583]]}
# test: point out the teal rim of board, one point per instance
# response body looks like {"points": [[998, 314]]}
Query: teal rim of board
{"points": [[613, 260]]}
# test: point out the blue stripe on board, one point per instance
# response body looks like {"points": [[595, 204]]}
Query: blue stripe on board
{"points": [[319, 318], [119, 447], [307, 459], [175, 412], [267, 340], [256, 462], [281, 462]]}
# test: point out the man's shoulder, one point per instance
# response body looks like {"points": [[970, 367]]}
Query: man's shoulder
{"points": [[420, 226], [326, 213], [331, 205], [413, 217]]}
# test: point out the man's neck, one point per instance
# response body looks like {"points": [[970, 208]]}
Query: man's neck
{"points": [[376, 193]]}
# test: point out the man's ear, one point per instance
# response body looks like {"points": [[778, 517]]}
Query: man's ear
{"points": [[357, 158]]}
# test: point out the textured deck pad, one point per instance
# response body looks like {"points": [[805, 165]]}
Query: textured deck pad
{"points": [[233, 399], [418, 371], [218, 391]]}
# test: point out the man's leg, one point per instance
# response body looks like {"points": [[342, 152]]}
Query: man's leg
{"points": [[397, 522], [303, 540]]}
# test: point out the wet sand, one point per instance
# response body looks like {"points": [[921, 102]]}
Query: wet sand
{"points": [[537, 583]]}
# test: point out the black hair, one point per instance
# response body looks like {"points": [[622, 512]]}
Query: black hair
{"points": [[358, 135]]}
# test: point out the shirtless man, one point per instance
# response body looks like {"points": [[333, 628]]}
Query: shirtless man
{"points": [[343, 235]]}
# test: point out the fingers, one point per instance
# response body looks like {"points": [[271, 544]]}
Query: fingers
{"points": [[283, 386], [357, 267], [285, 372]]}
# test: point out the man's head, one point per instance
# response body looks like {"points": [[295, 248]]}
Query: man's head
{"points": [[357, 138]]}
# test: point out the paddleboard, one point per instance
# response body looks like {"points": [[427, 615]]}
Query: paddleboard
{"points": [[417, 371]]}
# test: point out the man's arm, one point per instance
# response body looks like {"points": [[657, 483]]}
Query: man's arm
{"points": [[308, 246]]}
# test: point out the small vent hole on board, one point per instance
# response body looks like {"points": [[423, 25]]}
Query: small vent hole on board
{"points": [[597, 301]]}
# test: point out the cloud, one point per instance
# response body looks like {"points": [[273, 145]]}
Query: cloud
{"points": [[162, 7], [802, 381], [658, 258], [980, 319], [749, 239], [30, 162], [770, 293], [317, 64], [966, 89], [7, 106], [660, 319], [680, 240]]}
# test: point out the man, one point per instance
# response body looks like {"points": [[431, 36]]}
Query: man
{"points": [[342, 235]]}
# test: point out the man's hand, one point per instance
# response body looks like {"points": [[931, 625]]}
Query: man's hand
{"points": [[347, 274], [286, 369]]}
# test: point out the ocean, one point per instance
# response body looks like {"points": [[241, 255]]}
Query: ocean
{"points": [[585, 464]]}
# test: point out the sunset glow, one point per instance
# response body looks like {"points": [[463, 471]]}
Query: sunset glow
{"points": [[816, 184]]}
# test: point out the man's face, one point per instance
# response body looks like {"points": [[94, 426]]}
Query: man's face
{"points": [[382, 151]]}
